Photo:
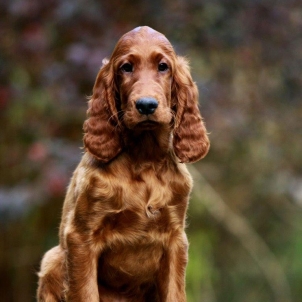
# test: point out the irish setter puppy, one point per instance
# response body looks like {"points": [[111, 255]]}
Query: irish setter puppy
{"points": [[122, 231]]}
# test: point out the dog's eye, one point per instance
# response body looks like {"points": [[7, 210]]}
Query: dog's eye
{"points": [[127, 67], [162, 67]]}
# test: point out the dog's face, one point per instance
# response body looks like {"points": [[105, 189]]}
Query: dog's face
{"points": [[143, 65]]}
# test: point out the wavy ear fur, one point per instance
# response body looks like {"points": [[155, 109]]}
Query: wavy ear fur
{"points": [[102, 129], [190, 140]]}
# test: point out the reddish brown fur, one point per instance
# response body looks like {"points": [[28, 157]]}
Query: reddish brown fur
{"points": [[122, 231]]}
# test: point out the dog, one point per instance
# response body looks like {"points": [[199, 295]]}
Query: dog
{"points": [[122, 233]]}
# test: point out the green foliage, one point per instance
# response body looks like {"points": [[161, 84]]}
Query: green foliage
{"points": [[200, 271]]}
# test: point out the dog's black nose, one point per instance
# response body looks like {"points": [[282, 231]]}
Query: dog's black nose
{"points": [[146, 105]]}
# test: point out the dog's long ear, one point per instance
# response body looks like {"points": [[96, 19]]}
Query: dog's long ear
{"points": [[102, 133], [190, 139]]}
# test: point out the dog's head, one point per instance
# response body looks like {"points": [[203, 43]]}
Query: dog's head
{"points": [[142, 86]]}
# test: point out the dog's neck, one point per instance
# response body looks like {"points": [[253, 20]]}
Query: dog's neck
{"points": [[144, 149], [148, 146]]}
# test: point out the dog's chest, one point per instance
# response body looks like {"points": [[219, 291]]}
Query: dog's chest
{"points": [[145, 208], [133, 219]]}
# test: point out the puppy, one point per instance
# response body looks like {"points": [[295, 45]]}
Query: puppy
{"points": [[122, 232]]}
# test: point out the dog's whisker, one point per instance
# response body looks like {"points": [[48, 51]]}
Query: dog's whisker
{"points": [[114, 115]]}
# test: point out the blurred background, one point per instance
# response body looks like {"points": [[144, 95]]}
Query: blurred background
{"points": [[245, 217]]}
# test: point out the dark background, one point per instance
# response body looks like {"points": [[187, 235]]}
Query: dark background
{"points": [[244, 222]]}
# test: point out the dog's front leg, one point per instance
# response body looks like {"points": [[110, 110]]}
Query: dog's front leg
{"points": [[171, 279], [81, 262]]}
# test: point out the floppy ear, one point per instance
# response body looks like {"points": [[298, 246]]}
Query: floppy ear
{"points": [[190, 139], [102, 130]]}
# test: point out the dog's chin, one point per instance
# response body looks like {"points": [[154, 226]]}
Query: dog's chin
{"points": [[147, 125]]}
